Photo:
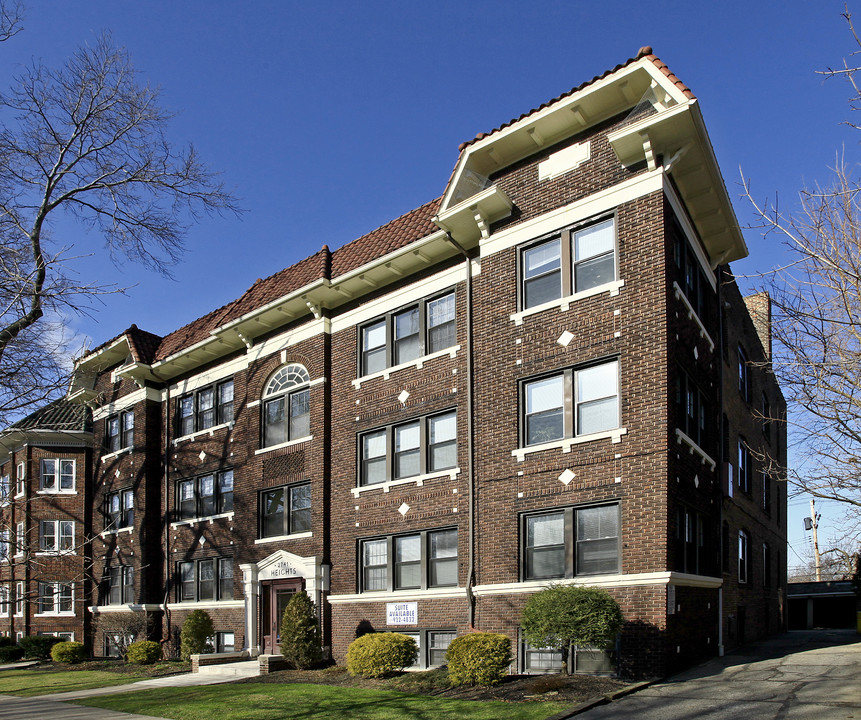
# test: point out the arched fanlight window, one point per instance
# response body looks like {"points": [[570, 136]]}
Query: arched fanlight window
{"points": [[286, 412]]}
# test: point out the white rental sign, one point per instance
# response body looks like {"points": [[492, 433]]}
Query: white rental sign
{"points": [[403, 613]]}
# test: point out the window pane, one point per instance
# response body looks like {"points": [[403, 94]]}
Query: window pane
{"points": [[275, 426], [300, 508], [374, 457], [206, 408], [374, 347], [67, 474], [186, 580], [407, 340], [407, 452], [225, 402], [442, 328], [593, 241], [49, 474], [545, 546], [67, 535], [65, 597], [598, 540], [206, 491], [443, 558], [187, 507], [595, 272], [48, 536], [186, 415], [273, 512], [225, 578], [597, 398], [443, 428], [408, 562], [206, 580], [374, 558], [544, 417], [300, 416], [597, 382], [542, 275], [438, 643], [225, 491], [541, 259]]}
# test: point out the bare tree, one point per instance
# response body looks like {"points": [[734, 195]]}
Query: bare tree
{"points": [[87, 141], [816, 321], [11, 19]]}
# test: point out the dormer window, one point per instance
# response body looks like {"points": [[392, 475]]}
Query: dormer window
{"points": [[286, 409]]}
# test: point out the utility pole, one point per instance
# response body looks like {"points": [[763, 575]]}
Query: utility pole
{"points": [[813, 526]]}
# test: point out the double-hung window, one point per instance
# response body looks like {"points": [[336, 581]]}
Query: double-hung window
{"points": [[5, 489], [743, 374], [286, 405], [119, 431], [569, 542], [285, 510], [118, 585], [574, 261], [409, 562], [432, 645], [204, 496], [57, 475], [743, 556], [119, 509], [416, 447], [408, 334], [692, 408], [5, 546], [571, 403], [205, 408], [205, 580], [20, 477], [56, 536], [55, 598], [744, 465]]}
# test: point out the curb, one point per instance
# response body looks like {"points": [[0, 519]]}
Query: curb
{"points": [[603, 699]]}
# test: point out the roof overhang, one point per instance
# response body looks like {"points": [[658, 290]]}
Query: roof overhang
{"points": [[12, 438], [674, 134]]}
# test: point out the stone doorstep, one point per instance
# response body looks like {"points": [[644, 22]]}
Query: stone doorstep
{"points": [[245, 668]]}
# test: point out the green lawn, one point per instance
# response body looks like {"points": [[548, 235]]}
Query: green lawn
{"points": [[41, 682], [273, 701]]}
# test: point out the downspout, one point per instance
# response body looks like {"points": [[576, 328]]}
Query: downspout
{"points": [[167, 574], [470, 573], [721, 440]]}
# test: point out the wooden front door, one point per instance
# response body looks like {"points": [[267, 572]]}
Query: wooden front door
{"points": [[274, 597]]}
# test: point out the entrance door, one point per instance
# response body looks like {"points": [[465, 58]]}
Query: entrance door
{"points": [[274, 597]]}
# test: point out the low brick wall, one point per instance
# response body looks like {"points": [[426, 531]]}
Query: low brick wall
{"points": [[271, 663], [197, 661]]}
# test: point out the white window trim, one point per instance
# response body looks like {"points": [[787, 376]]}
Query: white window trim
{"points": [[289, 443], [564, 303], [692, 315], [565, 444], [279, 538], [19, 598], [205, 518], [681, 437], [401, 595], [57, 490], [58, 551], [210, 432], [204, 605], [418, 480], [418, 363], [57, 613]]}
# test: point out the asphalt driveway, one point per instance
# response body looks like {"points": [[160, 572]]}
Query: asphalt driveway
{"points": [[800, 675]]}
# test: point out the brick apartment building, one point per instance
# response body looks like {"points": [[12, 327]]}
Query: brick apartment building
{"points": [[545, 375]]}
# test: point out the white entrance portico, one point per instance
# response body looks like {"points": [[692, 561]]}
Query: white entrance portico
{"points": [[267, 586]]}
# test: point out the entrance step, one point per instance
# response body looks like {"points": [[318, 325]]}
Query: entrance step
{"points": [[246, 668]]}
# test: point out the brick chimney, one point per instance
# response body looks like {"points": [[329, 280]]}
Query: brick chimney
{"points": [[759, 308]]}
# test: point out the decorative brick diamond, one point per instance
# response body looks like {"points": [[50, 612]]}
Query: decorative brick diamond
{"points": [[565, 338], [202, 456], [696, 481], [404, 509], [202, 540], [403, 397], [567, 476]]}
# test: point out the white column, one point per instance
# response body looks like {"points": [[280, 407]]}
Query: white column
{"points": [[251, 590]]}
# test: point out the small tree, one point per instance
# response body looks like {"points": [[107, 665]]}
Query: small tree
{"points": [[564, 616], [196, 630], [300, 633], [123, 628]]}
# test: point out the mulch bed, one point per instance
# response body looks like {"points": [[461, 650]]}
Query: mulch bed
{"points": [[115, 666], [514, 688]]}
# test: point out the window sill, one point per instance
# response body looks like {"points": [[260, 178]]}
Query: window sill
{"points": [[418, 363], [54, 553], [564, 304], [206, 518], [418, 480], [683, 438], [199, 433], [566, 443], [54, 614], [289, 443], [693, 316], [204, 604], [56, 492], [117, 531], [116, 453], [279, 538], [19, 495], [399, 595]]}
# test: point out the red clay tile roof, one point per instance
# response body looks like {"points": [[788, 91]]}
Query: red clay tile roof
{"points": [[143, 344], [408, 228], [645, 52], [59, 415]]}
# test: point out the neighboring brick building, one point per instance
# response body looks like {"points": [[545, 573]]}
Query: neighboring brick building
{"points": [[545, 375], [45, 519]]}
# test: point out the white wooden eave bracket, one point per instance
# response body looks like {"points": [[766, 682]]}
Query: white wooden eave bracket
{"points": [[245, 338], [647, 150], [481, 222], [314, 308]]}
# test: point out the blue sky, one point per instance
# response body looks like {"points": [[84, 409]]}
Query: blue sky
{"points": [[330, 118]]}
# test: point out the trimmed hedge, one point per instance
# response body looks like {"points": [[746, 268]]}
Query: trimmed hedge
{"points": [[380, 654], [37, 647], [144, 652], [68, 652], [196, 630], [10, 653], [478, 659]]}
